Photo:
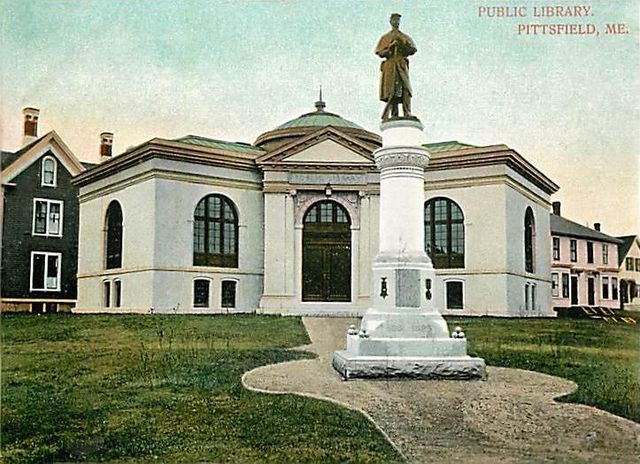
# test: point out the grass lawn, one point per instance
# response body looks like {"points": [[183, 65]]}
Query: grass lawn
{"points": [[602, 358], [164, 389]]}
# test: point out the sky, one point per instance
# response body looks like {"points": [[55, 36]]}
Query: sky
{"points": [[231, 70]]}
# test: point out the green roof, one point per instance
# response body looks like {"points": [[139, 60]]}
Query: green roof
{"points": [[319, 119], [238, 147], [446, 146]]}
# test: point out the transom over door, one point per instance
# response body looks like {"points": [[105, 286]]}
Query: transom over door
{"points": [[326, 253]]}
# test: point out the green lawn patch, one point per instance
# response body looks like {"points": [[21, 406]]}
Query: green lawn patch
{"points": [[602, 358], [164, 389]]}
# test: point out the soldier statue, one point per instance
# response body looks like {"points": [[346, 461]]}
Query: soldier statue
{"points": [[395, 88]]}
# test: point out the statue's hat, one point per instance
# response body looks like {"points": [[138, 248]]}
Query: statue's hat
{"points": [[396, 15]]}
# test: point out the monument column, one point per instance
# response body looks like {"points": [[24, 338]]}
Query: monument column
{"points": [[403, 334]]}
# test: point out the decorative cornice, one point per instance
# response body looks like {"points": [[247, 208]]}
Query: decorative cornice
{"points": [[167, 149], [395, 157]]}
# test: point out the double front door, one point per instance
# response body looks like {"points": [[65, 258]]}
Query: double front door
{"points": [[326, 254]]}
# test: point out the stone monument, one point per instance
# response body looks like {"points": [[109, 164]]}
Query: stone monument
{"points": [[403, 334]]}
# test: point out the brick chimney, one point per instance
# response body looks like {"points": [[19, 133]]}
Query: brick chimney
{"points": [[106, 143], [30, 134], [596, 226], [556, 208]]}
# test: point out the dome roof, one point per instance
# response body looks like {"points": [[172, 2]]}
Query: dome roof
{"points": [[310, 122]]}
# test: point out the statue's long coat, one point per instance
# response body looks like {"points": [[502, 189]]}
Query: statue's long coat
{"points": [[395, 69]]}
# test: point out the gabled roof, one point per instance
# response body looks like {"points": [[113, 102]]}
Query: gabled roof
{"points": [[9, 157], [625, 246], [23, 158], [279, 156], [565, 227]]}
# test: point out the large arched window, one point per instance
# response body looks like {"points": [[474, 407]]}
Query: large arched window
{"points": [[113, 236], [529, 240], [444, 233], [215, 232]]}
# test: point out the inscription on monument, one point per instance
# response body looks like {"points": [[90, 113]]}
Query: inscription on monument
{"points": [[408, 288]]}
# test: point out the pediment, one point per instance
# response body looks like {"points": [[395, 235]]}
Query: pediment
{"points": [[326, 147]]}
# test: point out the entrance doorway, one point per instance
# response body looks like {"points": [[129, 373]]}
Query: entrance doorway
{"points": [[591, 292], [574, 290], [326, 253]]}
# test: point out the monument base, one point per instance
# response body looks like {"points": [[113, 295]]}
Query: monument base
{"points": [[351, 366]]}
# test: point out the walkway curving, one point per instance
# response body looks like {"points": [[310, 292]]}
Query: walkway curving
{"points": [[511, 417]]}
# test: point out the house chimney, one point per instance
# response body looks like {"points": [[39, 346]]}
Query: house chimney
{"points": [[596, 226], [556, 208], [30, 125], [106, 142]]}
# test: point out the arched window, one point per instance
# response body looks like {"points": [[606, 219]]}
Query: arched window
{"points": [[215, 232], [529, 240], [49, 171], [444, 233], [113, 236]]}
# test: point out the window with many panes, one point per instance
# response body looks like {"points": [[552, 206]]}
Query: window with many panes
{"points": [[45, 271], [49, 172], [573, 249], [638, 264], [201, 293], [47, 217], [556, 248], [529, 240], [215, 232], [555, 282], [628, 264], [605, 253], [444, 233], [605, 288]]}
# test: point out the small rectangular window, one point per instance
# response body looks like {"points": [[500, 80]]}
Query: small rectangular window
{"points": [[555, 291], [605, 288], [45, 271], [201, 293], [614, 288], [565, 285], [556, 248], [454, 295], [47, 217], [589, 252], [629, 264], [228, 294], [638, 264], [574, 250], [106, 294], [605, 253], [533, 297], [117, 293]]}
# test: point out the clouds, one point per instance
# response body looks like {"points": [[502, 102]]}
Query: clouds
{"points": [[232, 70]]}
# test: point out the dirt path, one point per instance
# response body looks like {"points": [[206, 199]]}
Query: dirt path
{"points": [[510, 418]]}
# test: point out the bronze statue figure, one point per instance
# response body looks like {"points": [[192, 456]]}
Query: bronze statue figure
{"points": [[395, 88]]}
